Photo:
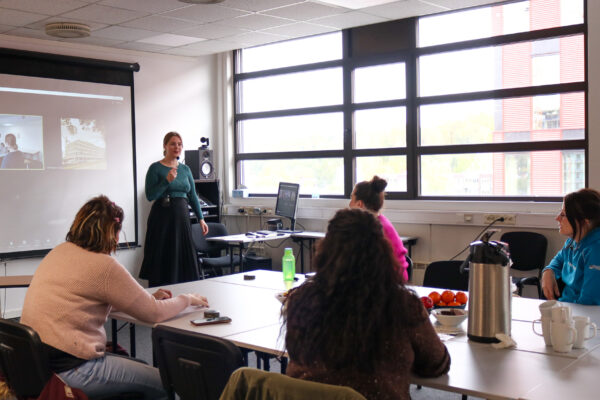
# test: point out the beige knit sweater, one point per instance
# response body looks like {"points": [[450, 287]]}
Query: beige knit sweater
{"points": [[71, 295]]}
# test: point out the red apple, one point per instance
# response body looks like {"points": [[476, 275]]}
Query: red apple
{"points": [[427, 302]]}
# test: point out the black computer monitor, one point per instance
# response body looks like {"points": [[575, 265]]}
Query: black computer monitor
{"points": [[287, 201]]}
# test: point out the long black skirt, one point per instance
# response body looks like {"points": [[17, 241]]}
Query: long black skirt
{"points": [[169, 252]]}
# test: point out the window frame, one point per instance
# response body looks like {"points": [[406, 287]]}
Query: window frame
{"points": [[413, 151]]}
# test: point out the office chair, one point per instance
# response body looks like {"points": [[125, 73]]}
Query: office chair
{"points": [[210, 253], [528, 253], [194, 365], [409, 269], [254, 384], [447, 275], [24, 362]]}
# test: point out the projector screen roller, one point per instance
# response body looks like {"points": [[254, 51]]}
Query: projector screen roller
{"points": [[62, 143]]}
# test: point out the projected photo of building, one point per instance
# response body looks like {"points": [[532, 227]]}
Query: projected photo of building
{"points": [[21, 142], [83, 144]]}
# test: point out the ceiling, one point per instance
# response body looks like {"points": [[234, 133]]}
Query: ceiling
{"points": [[174, 27]]}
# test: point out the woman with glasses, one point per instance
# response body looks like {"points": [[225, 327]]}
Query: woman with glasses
{"points": [[577, 264]]}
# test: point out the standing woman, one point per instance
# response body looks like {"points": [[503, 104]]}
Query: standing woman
{"points": [[169, 252], [72, 292], [577, 264], [368, 195], [355, 323]]}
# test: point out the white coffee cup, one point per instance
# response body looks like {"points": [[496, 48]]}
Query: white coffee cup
{"points": [[563, 336], [562, 314], [547, 306], [545, 321], [582, 325]]}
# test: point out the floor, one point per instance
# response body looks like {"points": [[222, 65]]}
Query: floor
{"points": [[144, 352]]}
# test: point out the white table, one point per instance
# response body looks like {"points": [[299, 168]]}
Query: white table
{"points": [[477, 369]]}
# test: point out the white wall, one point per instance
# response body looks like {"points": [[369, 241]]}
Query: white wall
{"points": [[171, 93]]}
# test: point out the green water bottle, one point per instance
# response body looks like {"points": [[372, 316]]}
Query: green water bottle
{"points": [[288, 265]]}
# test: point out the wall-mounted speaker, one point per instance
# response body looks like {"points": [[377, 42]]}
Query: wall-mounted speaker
{"points": [[201, 163]]}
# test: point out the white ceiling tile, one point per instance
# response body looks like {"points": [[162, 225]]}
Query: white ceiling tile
{"points": [[255, 38], [41, 25], [355, 4], [18, 18], [211, 46], [256, 22], [48, 7], [213, 30], [179, 51], [141, 46], [104, 14], [204, 13], [305, 11], [159, 24], [458, 4], [123, 33], [168, 39], [97, 41], [149, 6], [26, 32], [300, 29], [403, 9], [350, 19], [258, 5]]}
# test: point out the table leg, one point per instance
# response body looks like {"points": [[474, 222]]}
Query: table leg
{"points": [[132, 339]]}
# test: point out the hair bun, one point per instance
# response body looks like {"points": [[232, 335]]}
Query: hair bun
{"points": [[379, 184]]}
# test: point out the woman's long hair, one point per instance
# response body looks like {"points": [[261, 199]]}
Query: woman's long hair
{"points": [[582, 205], [353, 310], [371, 193], [97, 225]]}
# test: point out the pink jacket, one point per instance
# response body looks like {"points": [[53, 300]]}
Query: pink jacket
{"points": [[397, 245]]}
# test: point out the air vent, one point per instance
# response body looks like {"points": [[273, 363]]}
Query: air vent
{"points": [[68, 30]]}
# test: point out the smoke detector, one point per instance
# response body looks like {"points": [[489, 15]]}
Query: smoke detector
{"points": [[69, 30], [201, 1]]}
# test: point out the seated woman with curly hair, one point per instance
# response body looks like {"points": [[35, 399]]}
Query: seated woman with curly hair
{"points": [[354, 323]]}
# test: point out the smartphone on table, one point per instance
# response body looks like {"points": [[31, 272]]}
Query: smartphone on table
{"points": [[210, 321]]}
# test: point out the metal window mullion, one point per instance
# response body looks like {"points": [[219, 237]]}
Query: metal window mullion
{"points": [[349, 161]]}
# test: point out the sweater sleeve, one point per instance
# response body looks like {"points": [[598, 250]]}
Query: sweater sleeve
{"points": [[124, 293], [431, 355], [156, 184], [191, 195], [556, 264]]}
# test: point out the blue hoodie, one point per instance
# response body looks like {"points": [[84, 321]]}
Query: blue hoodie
{"points": [[578, 265]]}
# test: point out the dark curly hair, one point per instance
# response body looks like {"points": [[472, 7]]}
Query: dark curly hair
{"points": [[582, 205], [347, 315], [96, 226], [371, 193]]}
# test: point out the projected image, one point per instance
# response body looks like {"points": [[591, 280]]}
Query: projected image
{"points": [[83, 144], [21, 142]]}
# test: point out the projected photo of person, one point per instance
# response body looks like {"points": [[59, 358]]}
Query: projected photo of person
{"points": [[22, 143], [83, 144]]}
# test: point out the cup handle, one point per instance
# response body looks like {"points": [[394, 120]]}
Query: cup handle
{"points": [[533, 327], [595, 328], [574, 335]]}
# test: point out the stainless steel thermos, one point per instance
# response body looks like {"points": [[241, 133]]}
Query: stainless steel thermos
{"points": [[489, 290]]}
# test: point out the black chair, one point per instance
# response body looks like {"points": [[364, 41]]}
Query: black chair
{"points": [[23, 359], [528, 253], [24, 362], [447, 275], [194, 365], [409, 269], [210, 254]]}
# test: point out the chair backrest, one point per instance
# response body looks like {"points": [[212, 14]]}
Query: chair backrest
{"points": [[446, 274], [527, 249], [212, 249], [409, 269], [255, 384], [23, 359], [194, 365]]}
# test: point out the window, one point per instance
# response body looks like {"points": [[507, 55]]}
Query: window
{"points": [[487, 102]]}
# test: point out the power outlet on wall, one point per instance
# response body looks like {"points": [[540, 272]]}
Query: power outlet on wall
{"points": [[509, 219]]}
